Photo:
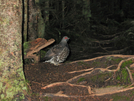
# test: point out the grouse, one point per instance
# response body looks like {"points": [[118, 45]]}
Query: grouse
{"points": [[58, 53]]}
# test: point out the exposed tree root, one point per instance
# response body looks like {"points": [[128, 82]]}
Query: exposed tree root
{"points": [[84, 70], [86, 89], [123, 61], [107, 79], [130, 75], [98, 71], [95, 71], [116, 55], [132, 65], [64, 95], [110, 66], [60, 83], [130, 85], [119, 91], [89, 72]]}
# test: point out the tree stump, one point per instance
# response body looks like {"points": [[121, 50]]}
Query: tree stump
{"points": [[35, 46]]}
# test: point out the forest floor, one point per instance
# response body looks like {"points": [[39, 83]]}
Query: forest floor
{"points": [[105, 78]]}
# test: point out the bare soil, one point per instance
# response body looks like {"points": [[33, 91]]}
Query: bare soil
{"points": [[83, 80]]}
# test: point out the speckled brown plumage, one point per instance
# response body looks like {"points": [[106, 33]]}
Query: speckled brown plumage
{"points": [[58, 53]]}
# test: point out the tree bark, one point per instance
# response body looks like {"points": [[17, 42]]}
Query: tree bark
{"points": [[12, 80], [63, 11], [86, 9], [25, 32], [40, 21], [47, 12], [32, 20]]}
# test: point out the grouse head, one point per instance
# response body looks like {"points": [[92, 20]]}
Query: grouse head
{"points": [[64, 40]]}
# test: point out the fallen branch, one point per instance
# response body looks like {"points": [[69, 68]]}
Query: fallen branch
{"points": [[35, 46]]}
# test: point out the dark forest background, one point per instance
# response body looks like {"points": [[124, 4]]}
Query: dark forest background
{"points": [[94, 27]]}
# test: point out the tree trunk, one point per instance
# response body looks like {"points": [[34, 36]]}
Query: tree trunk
{"points": [[40, 21], [63, 8], [12, 80], [86, 9], [47, 12], [25, 34], [32, 20]]}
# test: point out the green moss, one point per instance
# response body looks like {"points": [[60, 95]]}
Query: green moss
{"points": [[118, 97], [109, 58], [4, 21], [47, 98], [27, 81], [42, 53], [2, 96], [100, 77], [82, 63], [25, 46], [95, 63], [81, 79], [124, 64], [118, 77], [93, 78], [125, 74], [129, 81], [35, 94], [132, 93], [117, 60], [14, 84]]}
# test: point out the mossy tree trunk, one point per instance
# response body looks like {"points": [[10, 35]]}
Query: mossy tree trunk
{"points": [[12, 80]]}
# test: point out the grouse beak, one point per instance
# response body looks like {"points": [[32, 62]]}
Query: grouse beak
{"points": [[68, 39]]}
